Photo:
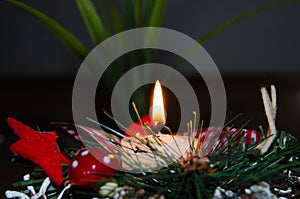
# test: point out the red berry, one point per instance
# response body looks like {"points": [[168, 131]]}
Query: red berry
{"points": [[136, 127], [146, 119], [85, 169]]}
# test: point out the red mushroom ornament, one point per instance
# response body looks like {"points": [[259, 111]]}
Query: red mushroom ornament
{"points": [[85, 169]]}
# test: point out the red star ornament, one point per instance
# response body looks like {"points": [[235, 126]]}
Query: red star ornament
{"points": [[40, 148]]}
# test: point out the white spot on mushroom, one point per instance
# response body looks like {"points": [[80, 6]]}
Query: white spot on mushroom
{"points": [[84, 153], [74, 163], [106, 159]]}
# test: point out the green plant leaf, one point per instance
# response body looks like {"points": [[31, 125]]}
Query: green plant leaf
{"points": [[248, 13], [147, 9], [154, 13], [128, 14], [157, 13], [92, 21], [66, 37], [104, 16], [117, 21], [138, 17], [230, 22]]}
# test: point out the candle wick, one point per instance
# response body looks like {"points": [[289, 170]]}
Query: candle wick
{"points": [[158, 126]]}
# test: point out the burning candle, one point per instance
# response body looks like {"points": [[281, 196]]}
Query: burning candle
{"points": [[157, 118], [158, 111], [152, 151]]}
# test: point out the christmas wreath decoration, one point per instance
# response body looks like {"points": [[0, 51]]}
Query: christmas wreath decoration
{"points": [[241, 164]]}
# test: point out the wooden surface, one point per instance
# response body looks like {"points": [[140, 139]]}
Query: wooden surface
{"points": [[42, 101]]}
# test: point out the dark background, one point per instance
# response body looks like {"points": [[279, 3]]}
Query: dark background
{"points": [[37, 71]]}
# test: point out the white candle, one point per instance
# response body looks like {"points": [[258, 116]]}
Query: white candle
{"points": [[161, 151]]}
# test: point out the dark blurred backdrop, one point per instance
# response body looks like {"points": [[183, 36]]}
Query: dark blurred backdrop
{"points": [[37, 71]]}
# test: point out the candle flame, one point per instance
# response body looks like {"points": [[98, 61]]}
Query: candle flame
{"points": [[158, 111]]}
